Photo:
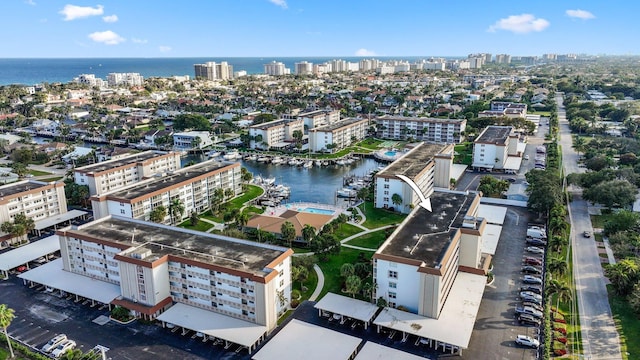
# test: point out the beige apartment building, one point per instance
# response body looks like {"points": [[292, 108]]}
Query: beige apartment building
{"points": [[447, 131], [36, 199], [338, 135], [277, 134], [112, 175], [159, 266], [193, 186]]}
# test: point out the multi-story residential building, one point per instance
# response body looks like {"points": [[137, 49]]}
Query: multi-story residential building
{"points": [[503, 59], [508, 109], [116, 174], [427, 165], [276, 68], [192, 140], [90, 80], [317, 118], [194, 187], [126, 79], [303, 68], [421, 128], [338, 135], [276, 134], [418, 265], [37, 200], [157, 266], [493, 147], [213, 71]]}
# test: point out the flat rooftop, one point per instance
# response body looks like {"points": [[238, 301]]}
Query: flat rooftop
{"points": [[150, 241], [425, 235], [414, 161], [132, 159], [340, 124], [422, 119], [270, 124], [494, 135], [158, 183], [20, 187]]}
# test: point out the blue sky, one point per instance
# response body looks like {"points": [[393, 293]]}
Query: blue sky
{"points": [[235, 28]]}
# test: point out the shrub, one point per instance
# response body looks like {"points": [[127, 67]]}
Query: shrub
{"points": [[295, 294], [295, 303]]}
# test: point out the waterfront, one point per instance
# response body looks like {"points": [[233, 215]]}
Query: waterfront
{"points": [[313, 185]]}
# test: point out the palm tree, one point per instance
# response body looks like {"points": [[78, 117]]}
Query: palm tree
{"points": [[242, 218], [288, 232], [228, 193], [396, 199], [176, 209], [623, 275], [558, 266], [158, 214], [560, 290], [308, 232], [6, 317], [353, 285]]}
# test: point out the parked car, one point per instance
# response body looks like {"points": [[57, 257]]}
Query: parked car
{"points": [[535, 249], [533, 288], [586, 234], [527, 319], [531, 297], [526, 157], [527, 341], [530, 269], [21, 268], [532, 305], [532, 261], [529, 310], [536, 242], [49, 346], [511, 180], [63, 348], [530, 279]]}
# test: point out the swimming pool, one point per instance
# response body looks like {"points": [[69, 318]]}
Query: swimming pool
{"points": [[390, 153], [317, 211]]}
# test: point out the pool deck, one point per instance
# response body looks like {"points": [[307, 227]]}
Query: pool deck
{"points": [[276, 211]]}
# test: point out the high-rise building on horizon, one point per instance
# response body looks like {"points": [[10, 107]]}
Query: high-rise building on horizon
{"points": [[276, 68], [303, 68], [213, 71]]}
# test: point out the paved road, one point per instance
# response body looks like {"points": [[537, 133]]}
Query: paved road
{"points": [[599, 336]]}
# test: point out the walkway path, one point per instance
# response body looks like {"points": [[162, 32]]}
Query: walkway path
{"points": [[320, 284], [215, 225]]}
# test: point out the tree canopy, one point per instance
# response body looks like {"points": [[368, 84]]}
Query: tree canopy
{"points": [[191, 121]]}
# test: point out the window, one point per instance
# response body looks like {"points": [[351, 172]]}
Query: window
{"points": [[392, 295], [386, 192], [391, 304], [392, 285], [393, 274], [386, 186], [122, 211]]}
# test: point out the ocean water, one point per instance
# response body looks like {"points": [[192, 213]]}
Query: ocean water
{"points": [[36, 71]]}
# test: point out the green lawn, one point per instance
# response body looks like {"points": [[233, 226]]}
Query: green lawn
{"points": [[202, 226], [541, 113], [252, 192], [379, 217], [310, 284], [38, 172], [331, 269], [345, 230], [51, 179], [371, 240], [464, 154], [371, 144], [627, 324]]}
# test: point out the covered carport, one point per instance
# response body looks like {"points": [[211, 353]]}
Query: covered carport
{"points": [[53, 276], [373, 351], [452, 328], [215, 325], [301, 340], [24, 254], [58, 220], [343, 308]]}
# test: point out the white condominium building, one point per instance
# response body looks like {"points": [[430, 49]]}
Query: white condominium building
{"points": [[318, 118], [194, 187], [274, 134], [338, 135], [427, 165], [417, 266], [116, 174], [126, 79], [493, 147], [37, 200], [213, 71], [157, 266], [276, 68], [304, 68], [447, 131], [192, 140]]}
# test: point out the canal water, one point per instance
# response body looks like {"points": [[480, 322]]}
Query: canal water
{"points": [[315, 185]]}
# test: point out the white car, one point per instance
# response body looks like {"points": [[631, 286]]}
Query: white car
{"points": [[63, 348], [530, 279], [54, 342], [535, 250], [527, 341]]}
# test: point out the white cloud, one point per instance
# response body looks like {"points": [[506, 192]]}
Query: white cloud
{"points": [[106, 37], [110, 18], [580, 14], [164, 48], [281, 3], [138, 41], [365, 52], [30, 2], [72, 12], [520, 24]]}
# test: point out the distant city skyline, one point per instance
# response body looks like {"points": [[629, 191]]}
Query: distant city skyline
{"points": [[297, 28]]}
